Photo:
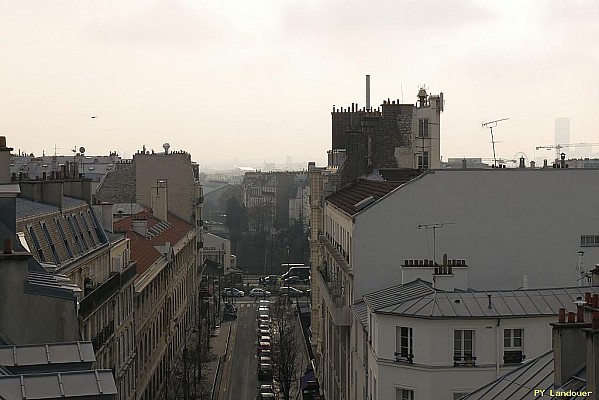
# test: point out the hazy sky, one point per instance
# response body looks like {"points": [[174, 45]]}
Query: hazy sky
{"points": [[256, 80]]}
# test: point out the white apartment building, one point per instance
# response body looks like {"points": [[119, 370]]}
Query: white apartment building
{"points": [[426, 343], [217, 249], [516, 227]]}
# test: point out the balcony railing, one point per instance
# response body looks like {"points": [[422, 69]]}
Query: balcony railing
{"points": [[404, 357], [464, 361], [106, 290], [513, 357]]}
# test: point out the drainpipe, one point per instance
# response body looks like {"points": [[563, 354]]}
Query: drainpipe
{"points": [[497, 347]]}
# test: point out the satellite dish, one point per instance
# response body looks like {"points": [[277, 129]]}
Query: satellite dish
{"points": [[81, 149]]}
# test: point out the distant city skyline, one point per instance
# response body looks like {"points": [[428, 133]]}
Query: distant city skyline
{"points": [[257, 81]]}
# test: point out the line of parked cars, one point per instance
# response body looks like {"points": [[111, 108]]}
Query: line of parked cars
{"points": [[265, 367]]}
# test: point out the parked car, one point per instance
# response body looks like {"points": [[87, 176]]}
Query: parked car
{"points": [[263, 326], [265, 339], [233, 292], [264, 353], [265, 371], [259, 292], [263, 319], [266, 389], [266, 392], [264, 303], [264, 332], [290, 291], [292, 280], [230, 312], [263, 346]]}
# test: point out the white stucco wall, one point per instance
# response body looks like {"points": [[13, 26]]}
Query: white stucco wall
{"points": [[433, 347], [506, 223]]}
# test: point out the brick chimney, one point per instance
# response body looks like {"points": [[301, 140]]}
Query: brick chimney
{"points": [[592, 359], [8, 190], [568, 346]]}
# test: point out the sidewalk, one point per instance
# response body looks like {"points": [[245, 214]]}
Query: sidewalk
{"points": [[219, 341]]}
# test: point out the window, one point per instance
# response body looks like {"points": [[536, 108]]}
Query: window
{"points": [[64, 238], [589, 240], [86, 226], [423, 160], [463, 347], [51, 242], [404, 394], [75, 236], [78, 227], [36, 244], [404, 345], [423, 128], [512, 346]]}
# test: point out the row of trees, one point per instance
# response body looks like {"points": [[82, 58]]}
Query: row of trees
{"points": [[258, 248], [286, 347]]}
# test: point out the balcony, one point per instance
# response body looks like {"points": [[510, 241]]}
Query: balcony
{"points": [[404, 357], [103, 292], [342, 259], [332, 292], [464, 361]]}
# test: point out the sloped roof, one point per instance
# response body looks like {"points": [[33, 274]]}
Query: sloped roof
{"points": [[97, 384], [143, 250], [347, 197], [419, 299], [360, 311], [520, 383], [42, 354]]}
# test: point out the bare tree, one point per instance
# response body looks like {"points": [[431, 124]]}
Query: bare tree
{"points": [[286, 346]]}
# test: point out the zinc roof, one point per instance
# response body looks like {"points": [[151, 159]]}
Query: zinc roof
{"points": [[77, 384], [520, 383], [349, 196], [51, 353], [419, 299]]}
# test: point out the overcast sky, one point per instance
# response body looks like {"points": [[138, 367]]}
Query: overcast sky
{"points": [[256, 80]]}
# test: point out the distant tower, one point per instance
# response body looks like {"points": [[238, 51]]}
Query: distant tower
{"points": [[562, 132], [166, 146]]}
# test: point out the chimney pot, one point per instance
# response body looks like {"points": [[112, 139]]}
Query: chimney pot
{"points": [[587, 298], [571, 317], [595, 321], [7, 241], [562, 315], [445, 259], [2, 141], [579, 313], [595, 300]]}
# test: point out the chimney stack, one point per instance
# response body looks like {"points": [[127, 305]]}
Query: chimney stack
{"points": [[569, 354], [4, 161], [367, 92], [160, 200], [592, 358]]}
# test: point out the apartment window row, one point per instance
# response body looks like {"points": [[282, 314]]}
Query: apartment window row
{"points": [[463, 345], [589, 240]]}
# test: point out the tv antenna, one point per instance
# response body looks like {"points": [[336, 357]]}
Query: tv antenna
{"points": [[434, 227], [491, 125]]}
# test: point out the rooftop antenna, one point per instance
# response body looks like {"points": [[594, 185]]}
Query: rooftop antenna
{"points": [[491, 125], [434, 227]]}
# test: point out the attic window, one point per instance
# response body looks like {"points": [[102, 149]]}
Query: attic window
{"points": [[364, 203]]}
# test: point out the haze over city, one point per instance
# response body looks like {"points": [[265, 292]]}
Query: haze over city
{"points": [[255, 81]]}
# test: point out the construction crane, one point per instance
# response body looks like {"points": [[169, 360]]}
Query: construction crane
{"points": [[558, 147]]}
